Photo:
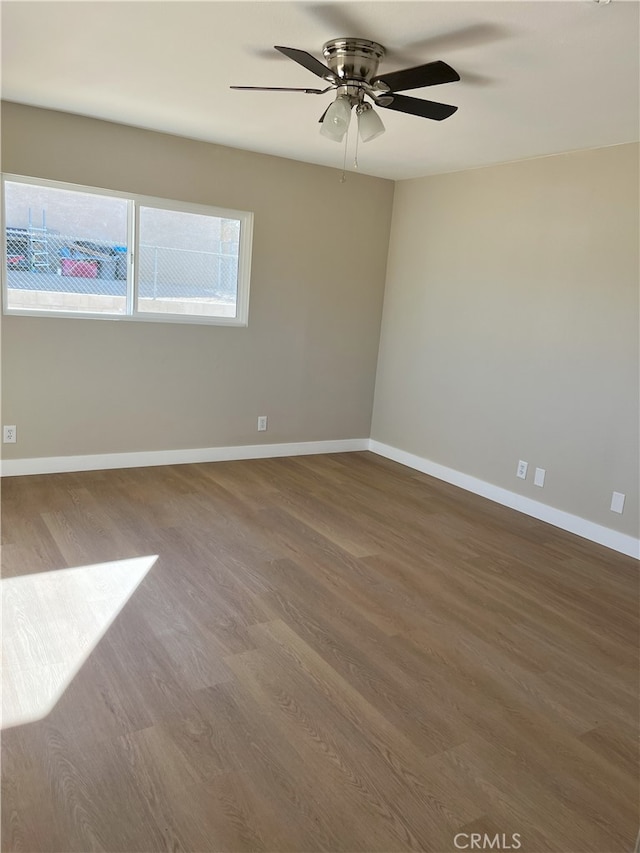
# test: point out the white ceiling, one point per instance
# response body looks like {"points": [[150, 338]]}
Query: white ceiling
{"points": [[537, 77]]}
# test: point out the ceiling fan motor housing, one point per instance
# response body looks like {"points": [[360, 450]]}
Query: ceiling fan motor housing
{"points": [[352, 58]]}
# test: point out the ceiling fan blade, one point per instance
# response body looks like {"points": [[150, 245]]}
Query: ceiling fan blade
{"points": [[431, 74], [473, 35], [279, 89], [307, 61], [418, 107]]}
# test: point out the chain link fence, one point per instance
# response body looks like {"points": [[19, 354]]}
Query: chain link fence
{"points": [[168, 273], [57, 262]]}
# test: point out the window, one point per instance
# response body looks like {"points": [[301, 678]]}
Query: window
{"points": [[78, 252]]}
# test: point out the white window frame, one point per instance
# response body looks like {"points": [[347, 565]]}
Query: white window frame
{"points": [[136, 201]]}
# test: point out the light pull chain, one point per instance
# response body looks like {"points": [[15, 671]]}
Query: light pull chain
{"points": [[355, 154], [343, 177]]}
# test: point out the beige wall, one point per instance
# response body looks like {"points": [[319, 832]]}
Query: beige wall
{"points": [[510, 328], [510, 324], [308, 356]]}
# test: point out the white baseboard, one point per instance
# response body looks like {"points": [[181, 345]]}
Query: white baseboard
{"points": [[99, 461], [558, 518], [566, 521]]}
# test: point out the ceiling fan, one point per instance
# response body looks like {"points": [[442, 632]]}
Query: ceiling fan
{"points": [[351, 71]]}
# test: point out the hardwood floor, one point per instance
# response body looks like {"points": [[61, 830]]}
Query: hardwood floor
{"points": [[329, 653]]}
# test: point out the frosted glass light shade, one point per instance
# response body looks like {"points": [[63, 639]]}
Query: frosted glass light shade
{"points": [[369, 123], [336, 121]]}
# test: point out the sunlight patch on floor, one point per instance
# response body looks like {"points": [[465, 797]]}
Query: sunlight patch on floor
{"points": [[51, 622]]}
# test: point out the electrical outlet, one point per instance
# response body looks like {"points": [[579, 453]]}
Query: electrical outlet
{"points": [[262, 423], [522, 470], [538, 477], [617, 501], [9, 434]]}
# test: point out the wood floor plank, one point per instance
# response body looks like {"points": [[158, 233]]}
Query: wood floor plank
{"points": [[320, 653], [366, 730], [353, 795], [310, 813]]}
